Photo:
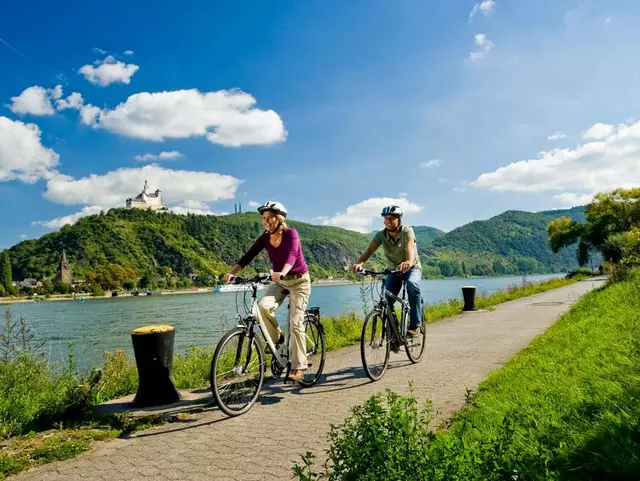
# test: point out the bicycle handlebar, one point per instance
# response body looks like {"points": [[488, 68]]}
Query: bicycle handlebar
{"points": [[250, 280], [367, 272]]}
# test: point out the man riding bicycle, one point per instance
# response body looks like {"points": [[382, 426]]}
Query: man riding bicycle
{"points": [[399, 246]]}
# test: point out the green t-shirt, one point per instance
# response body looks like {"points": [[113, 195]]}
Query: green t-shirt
{"points": [[394, 250]]}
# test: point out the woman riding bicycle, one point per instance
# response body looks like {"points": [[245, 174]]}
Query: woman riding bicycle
{"points": [[290, 274]]}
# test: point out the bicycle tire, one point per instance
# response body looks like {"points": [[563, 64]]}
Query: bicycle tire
{"points": [[423, 346], [384, 337], [311, 321], [217, 361]]}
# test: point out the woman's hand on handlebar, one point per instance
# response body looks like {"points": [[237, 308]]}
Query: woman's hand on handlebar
{"points": [[228, 277]]}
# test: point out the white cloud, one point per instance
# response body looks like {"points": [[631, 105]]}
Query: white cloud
{"points": [[485, 45], [128, 52], [22, 155], [146, 157], [571, 199], [557, 136], [226, 117], [59, 222], [195, 207], [35, 100], [172, 155], [602, 165], [403, 194], [99, 51], [598, 131], [253, 204], [89, 114], [109, 71], [73, 101], [359, 217], [113, 188], [23, 236], [485, 7], [431, 163]]}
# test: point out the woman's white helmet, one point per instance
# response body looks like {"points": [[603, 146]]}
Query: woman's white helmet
{"points": [[273, 206], [392, 210]]}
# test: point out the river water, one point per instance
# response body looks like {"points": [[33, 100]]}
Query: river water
{"points": [[98, 325]]}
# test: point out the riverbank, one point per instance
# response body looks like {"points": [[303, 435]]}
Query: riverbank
{"points": [[43, 396], [204, 290]]}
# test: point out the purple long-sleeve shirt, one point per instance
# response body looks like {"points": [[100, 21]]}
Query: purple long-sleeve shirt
{"points": [[288, 252]]}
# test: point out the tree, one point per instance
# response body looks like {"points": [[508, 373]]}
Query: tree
{"points": [[6, 279], [608, 220], [144, 282]]}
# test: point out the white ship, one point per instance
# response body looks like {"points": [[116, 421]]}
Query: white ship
{"points": [[235, 287]]}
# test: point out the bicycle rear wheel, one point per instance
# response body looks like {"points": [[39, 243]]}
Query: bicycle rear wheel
{"points": [[374, 345], [314, 338], [237, 372], [416, 346]]}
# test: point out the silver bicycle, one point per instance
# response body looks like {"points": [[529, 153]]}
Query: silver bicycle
{"points": [[239, 362]]}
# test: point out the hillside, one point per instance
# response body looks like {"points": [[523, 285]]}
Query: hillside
{"points": [[121, 245], [149, 243], [514, 238], [426, 235]]}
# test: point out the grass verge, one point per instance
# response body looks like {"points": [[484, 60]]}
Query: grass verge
{"points": [[566, 407]]}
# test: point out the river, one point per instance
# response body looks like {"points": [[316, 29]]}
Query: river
{"points": [[98, 325]]}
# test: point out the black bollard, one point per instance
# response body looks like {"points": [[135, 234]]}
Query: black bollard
{"points": [[153, 349], [469, 296]]}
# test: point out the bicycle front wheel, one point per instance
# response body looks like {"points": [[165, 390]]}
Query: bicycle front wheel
{"points": [[314, 339], [374, 345], [237, 372]]}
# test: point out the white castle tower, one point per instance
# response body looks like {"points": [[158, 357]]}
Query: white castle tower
{"points": [[146, 199]]}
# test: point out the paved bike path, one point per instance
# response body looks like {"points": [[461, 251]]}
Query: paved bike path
{"points": [[288, 421]]}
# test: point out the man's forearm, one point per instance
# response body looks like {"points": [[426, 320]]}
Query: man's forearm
{"points": [[368, 253]]}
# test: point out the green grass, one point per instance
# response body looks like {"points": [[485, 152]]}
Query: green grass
{"points": [[566, 407], [36, 396]]}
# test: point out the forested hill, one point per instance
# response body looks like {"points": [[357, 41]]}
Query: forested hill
{"points": [[126, 244], [516, 237]]}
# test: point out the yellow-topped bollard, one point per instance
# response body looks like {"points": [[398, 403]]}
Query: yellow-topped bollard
{"points": [[153, 349]]}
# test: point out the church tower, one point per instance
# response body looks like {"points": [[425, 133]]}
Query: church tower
{"points": [[64, 271]]}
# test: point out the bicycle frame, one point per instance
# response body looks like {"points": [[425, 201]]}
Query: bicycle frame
{"points": [[256, 316], [383, 305]]}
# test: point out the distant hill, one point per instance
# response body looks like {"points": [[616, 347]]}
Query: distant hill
{"points": [[516, 239], [426, 235], [122, 244]]}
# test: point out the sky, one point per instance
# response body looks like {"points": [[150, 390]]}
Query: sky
{"points": [[456, 111]]}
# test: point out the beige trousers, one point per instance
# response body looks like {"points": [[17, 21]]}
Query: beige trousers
{"points": [[299, 290]]}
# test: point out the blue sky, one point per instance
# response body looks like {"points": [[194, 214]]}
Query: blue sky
{"points": [[456, 110]]}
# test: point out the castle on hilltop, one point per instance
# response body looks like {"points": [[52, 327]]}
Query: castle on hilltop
{"points": [[146, 199]]}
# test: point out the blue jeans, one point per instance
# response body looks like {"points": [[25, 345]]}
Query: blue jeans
{"points": [[412, 277]]}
